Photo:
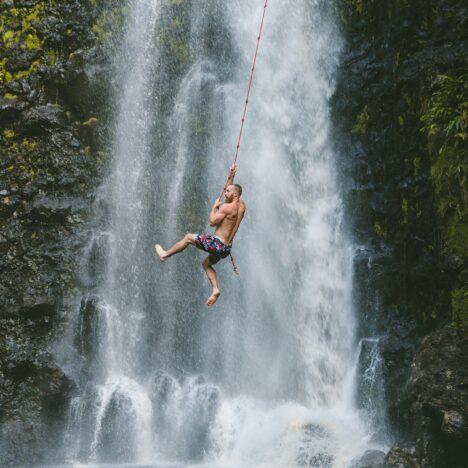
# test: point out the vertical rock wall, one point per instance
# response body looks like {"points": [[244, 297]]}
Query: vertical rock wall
{"points": [[401, 114], [52, 96]]}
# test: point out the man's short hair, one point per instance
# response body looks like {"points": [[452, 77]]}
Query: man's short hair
{"points": [[238, 189]]}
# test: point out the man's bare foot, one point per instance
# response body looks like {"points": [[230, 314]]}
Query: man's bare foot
{"points": [[213, 298], [161, 252]]}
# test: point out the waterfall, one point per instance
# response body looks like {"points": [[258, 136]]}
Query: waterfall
{"points": [[268, 377]]}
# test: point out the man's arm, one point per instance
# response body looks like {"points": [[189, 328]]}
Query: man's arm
{"points": [[217, 213], [231, 175]]}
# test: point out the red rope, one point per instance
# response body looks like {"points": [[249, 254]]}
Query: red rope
{"points": [[246, 103], [252, 70]]}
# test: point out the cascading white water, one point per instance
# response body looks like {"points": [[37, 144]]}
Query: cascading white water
{"points": [[114, 394], [267, 377]]}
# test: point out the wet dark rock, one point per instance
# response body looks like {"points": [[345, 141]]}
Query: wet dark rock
{"points": [[405, 274], [454, 425], [45, 207], [398, 349], [38, 307], [47, 180], [33, 399], [18, 87], [401, 457], [40, 118], [370, 459], [19, 58], [75, 86], [88, 327], [437, 396], [9, 311], [10, 109], [89, 309], [98, 248]]}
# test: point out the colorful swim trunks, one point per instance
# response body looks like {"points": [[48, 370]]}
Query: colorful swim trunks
{"points": [[212, 244]]}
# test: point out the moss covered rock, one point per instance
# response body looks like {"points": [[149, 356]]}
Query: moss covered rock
{"points": [[400, 109], [51, 152]]}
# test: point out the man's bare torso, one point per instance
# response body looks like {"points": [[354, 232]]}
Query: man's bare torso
{"points": [[228, 227]]}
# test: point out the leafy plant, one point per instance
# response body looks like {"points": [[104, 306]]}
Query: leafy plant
{"points": [[445, 122]]}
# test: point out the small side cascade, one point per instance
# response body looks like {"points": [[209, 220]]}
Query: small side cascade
{"points": [[370, 388]]}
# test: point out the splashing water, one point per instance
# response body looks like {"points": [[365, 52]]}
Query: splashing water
{"points": [[268, 377]]}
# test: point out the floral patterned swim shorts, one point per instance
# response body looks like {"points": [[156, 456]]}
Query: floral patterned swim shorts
{"points": [[212, 244]]}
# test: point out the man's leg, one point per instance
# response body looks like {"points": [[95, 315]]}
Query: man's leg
{"points": [[212, 277], [176, 248]]}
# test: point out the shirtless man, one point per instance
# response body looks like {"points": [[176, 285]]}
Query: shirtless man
{"points": [[227, 218]]}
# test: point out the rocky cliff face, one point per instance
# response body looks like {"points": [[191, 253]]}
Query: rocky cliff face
{"points": [[401, 112], [51, 101]]}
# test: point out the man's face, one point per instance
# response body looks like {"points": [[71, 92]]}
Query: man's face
{"points": [[229, 193]]}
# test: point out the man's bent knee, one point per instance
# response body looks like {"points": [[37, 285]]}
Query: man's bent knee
{"points": [[189, 238]]}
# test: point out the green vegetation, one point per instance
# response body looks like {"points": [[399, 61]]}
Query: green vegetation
{"points": [[379, 230], [362, 121], [417, 148], [445, 121], [5, 75], [358, 5], [19, 27], [446, 126], [404, 209], [8, 133], [90, 122]]}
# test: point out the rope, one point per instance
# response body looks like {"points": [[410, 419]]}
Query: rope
{"points": [[246, 103], [252, 71], [234, 266], [249, 87]]}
